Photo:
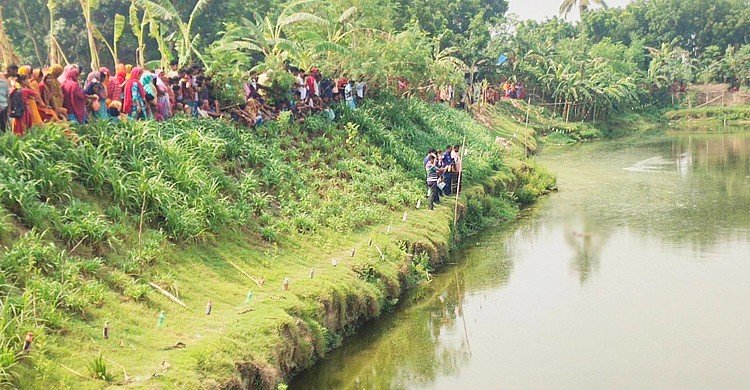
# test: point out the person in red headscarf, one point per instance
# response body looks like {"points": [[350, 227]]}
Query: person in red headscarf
{"points": [[74, 100], [134, 103], [114, 88]]}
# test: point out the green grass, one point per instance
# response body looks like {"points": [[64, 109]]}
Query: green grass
{"points": [[86, 225], [734, 113]]}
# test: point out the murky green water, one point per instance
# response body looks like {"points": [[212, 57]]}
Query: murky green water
{"points": [[635, 275]]}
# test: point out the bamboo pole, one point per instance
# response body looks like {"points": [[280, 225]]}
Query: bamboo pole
{"points": [[458, 190], [167, 294], [245, 273]]}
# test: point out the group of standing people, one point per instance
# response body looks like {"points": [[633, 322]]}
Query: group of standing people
{"points": [[443, 170], [30, 97]]}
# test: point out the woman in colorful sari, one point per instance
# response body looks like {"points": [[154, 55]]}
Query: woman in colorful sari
{"points": [[52, 93], [74, 100], [163, 105], [114, 88], [105, 75], [128, 71], [28, 119], [134, 103], [35, 81], [94, 87], [40, 112], [147, 80]]}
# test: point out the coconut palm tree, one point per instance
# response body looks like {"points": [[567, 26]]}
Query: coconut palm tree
{"points": [[583, 6]]}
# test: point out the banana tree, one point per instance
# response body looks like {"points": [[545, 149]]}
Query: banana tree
{"points": [[119, 28], [155, 31], [445, 67], [669, 63], [86, 7], [138, 25], [164, 10], [56, 53], [268, 38]]}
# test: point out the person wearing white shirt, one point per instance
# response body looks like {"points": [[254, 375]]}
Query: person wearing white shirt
{"points": [[349, 95]]}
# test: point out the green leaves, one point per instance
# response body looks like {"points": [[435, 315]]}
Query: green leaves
{"points": [[119, 27]]}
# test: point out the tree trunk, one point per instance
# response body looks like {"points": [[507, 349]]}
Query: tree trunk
{"points": [[31, 36], [86, 8], [6, 48]]}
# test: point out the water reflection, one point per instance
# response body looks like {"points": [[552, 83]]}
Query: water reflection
{"points": [[640, 271], [585, 239]]}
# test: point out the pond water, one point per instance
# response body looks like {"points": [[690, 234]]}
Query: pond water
{"points": [[636, 274]]}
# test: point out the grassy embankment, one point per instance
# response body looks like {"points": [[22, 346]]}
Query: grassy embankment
{"points": [[508, 117], [710, 117], [86, 226]]}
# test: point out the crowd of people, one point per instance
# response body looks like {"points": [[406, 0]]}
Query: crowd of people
{"points": [[31, 97], [443, 169], [506, 90], [34, 96], [312, 92]]}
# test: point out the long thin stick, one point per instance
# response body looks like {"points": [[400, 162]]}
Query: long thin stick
{"points": [[125, 373], [77, 245], [168, 295], [72, 371], [382, 256], [458, 190], [245, 273]]}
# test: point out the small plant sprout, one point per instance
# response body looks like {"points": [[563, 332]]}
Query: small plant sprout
{"points": [[27, 342], [286, 284], [161, 320], [249, 297], [312, 273], [105, 331], [208, 308]]}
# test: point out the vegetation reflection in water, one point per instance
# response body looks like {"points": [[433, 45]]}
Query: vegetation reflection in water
{"points": [[633, 275]]}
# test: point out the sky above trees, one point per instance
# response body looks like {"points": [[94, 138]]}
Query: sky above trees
{"points": [[543, 9]]}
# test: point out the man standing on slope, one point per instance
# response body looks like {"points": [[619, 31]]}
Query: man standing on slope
{"points": [[432, 180]]}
